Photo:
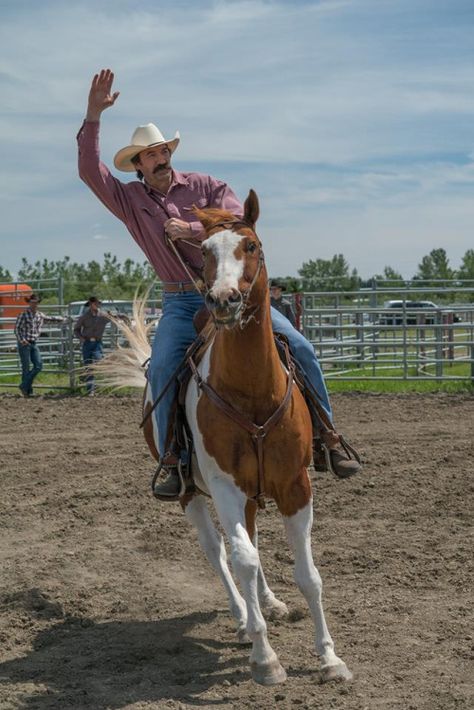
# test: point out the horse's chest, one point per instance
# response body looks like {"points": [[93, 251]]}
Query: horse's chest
{"points": [[285, 448]]}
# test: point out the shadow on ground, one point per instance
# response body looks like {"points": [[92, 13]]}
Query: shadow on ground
{"points": [[82, 664]]}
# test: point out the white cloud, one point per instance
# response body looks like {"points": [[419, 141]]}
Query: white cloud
{"points": [[352, 117]]}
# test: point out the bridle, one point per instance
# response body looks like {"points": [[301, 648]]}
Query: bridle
{"points": [[234, 224]]}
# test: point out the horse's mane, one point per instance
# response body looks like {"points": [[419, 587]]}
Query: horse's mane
{"points": [[213, 215]]}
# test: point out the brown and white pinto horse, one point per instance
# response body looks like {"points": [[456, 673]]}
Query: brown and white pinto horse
{"points": [[243, 389]]}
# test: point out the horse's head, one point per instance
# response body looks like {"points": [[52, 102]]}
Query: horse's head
{"points": [[234, 269]]}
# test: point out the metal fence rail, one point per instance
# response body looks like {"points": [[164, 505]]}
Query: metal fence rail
{"points": [[353, 334], [60, 349], [356, 338]]}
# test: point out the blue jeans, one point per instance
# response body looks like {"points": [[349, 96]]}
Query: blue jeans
{"points": [[91, 352], [175, 333], [29, 354]]}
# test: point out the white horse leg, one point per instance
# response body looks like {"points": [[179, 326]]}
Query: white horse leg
{"points": [[197, 513], [274, 608], [298, 530], [230, 505]]}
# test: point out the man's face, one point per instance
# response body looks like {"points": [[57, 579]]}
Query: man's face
{"points": [[94, 306], [275, 292], [33, 305], [154, 162]]}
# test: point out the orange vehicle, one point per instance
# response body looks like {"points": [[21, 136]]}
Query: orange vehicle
{"points": [[12, 303]]}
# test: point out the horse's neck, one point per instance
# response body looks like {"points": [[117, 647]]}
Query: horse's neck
{"points": [[246, 360]]}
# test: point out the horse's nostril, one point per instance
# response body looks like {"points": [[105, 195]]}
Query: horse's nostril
{"points": [[210, 300], [234, 296]]}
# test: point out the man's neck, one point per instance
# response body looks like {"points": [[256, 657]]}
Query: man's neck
{"points": [[161, 182]]}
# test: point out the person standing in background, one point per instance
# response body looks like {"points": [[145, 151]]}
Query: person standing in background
{"points": [[28, 327], [283, 305], [89, 329]]}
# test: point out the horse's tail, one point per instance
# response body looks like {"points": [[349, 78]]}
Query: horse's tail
{"points": [[125, 366]]}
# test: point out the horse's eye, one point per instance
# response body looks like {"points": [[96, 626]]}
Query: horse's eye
{"points": [[251, 247]]}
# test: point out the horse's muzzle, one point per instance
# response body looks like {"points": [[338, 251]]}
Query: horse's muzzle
{"points": [[225, 308]]}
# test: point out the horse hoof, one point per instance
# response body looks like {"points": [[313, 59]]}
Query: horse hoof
{"points": [[340, 672], [243, 638], [268, 673], [276, 610]]}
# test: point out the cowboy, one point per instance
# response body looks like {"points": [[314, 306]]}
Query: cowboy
{"points": [[281, 304], [89, 329], [28, 327], [157, 207]]}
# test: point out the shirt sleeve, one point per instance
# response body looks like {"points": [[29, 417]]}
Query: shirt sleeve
{"points": [[96, 175], [290, 314], [54, 319], [78, 327], [20, 327]]}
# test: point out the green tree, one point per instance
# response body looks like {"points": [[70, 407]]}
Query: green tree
{"points": [[5, 275], [107, 280], [328, 275], [389, 274], [466, 271], [434, 265]]}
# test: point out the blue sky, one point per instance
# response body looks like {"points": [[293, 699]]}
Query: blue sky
{"points": [[352, 119]]}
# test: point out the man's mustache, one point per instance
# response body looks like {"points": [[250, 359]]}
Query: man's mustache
{"points": [[165, 166]]}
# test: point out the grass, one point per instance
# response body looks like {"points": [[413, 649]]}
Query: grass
{"points": [[45, 383], [50, 383], [401, 386], [360, 381]]}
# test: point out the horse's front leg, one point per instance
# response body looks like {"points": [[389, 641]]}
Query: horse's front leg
{"points": [[271, 606], [307, 577], [197, 513], [230, 505]]}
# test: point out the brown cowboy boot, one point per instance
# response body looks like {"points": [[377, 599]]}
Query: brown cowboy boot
{"points": [[327, 455], [170, 488]]}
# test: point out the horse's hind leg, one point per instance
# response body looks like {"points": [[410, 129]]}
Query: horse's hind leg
{"points": [[197, 513], [298, 530], [271, 606]]}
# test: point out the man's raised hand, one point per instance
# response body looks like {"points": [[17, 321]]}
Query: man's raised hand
{"points": [[100, 94]]}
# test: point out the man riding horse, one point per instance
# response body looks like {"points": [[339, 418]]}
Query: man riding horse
{"points": [[157, 210]]}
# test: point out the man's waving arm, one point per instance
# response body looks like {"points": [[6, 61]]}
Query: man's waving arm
{"points": [[92, 171]]}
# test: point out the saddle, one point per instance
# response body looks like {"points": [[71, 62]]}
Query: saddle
{"points": [[180, 436]]}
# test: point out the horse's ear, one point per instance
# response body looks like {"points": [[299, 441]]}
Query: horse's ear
{"points": [[205, 219], [251, 208]]}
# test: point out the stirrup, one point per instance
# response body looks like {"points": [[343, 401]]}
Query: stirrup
{"points": [[351, 456], [327, 452], [162, 466]]}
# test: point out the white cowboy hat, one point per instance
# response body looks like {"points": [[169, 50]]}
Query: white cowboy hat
{"points": [[143, 137]]}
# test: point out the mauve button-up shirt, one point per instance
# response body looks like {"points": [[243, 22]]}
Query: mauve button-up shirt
{"points": [[144, 210]]}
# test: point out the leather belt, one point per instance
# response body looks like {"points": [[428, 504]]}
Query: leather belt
{"points": [[179, 287]]}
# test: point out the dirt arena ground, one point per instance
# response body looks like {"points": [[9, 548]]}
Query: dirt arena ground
{"points": [[107, 602]]}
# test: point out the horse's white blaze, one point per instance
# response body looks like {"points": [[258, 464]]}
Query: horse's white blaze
{"points": [[229, 268]]}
